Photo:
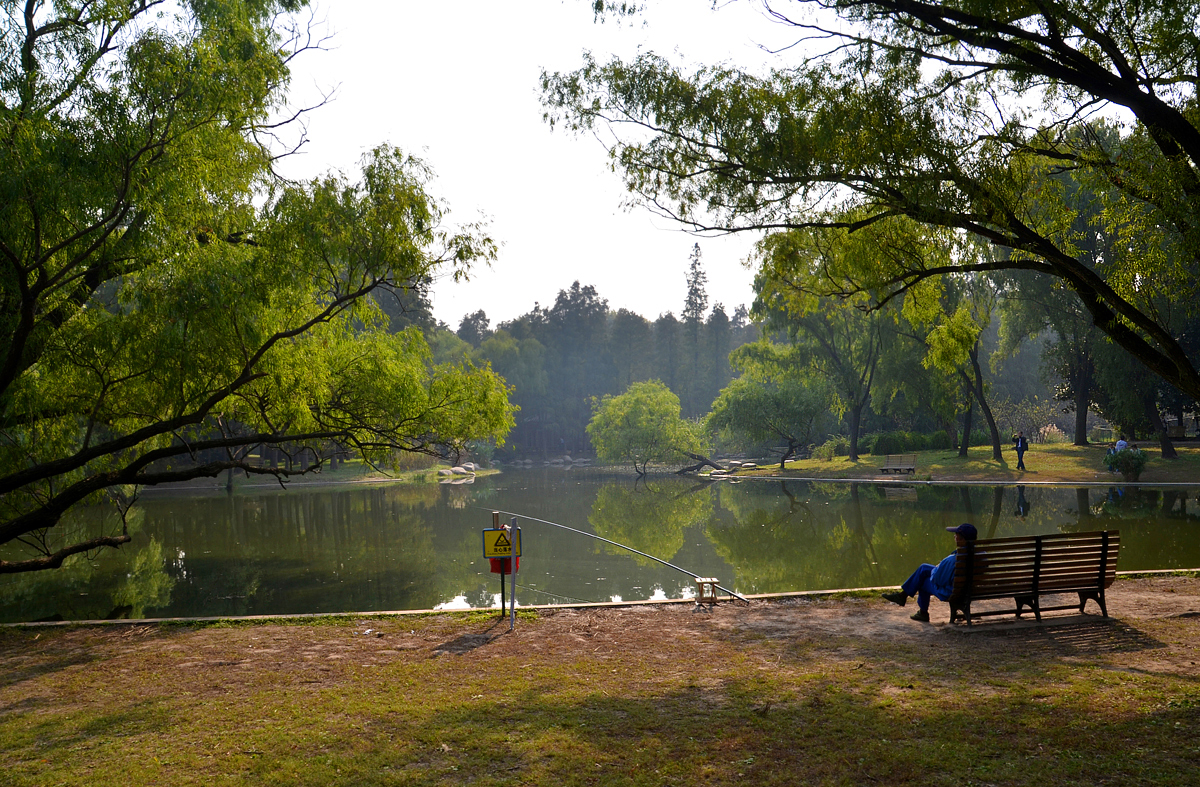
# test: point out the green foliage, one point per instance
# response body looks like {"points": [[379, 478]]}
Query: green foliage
{"points": [[922, 113], [901, 442], [766, 407], [1129, 462], [836, 445], [169, 309], [643, 426], [650, 517]]}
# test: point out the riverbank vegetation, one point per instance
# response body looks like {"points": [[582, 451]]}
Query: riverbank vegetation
{"points": [[1055, 463]]}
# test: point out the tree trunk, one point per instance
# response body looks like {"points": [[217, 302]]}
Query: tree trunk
{"points": [[1081, 412], [983, 405], [703, 461], [1156, 422], [966, 440], [951, 426], [855, 421], [787, 455]]}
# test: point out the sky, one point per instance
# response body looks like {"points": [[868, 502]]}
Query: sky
{"points": [[456, 83]]}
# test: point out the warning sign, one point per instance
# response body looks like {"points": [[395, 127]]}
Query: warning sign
{"points": [[502, 543]]}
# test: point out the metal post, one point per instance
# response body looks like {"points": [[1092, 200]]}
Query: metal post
{"points": [[514, 533]]}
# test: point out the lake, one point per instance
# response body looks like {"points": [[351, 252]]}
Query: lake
{"points": [[354, 547]]}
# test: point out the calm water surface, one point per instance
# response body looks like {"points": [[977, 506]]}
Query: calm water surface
{"points": [[362, 548]]}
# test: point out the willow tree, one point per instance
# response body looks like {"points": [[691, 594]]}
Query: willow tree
{"points": [[170, 310], [773, 404], [948, 113], [643, 426]]}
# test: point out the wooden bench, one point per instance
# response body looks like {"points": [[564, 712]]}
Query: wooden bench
{"points": [[900, 463], [1027, 567]]}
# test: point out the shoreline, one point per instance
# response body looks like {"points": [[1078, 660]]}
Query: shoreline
{"points": [[299, 618]]}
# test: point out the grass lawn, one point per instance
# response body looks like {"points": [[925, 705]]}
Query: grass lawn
{"points": [[831, 692], [1057, 462]]}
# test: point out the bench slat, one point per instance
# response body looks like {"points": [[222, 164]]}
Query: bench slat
{"points": [[1026, 567]]}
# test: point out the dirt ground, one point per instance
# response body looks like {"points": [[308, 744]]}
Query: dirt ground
{"points": [[571, 633], [641, 694]]}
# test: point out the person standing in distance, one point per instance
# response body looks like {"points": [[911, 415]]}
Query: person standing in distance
{"points": [[1022, 445]]}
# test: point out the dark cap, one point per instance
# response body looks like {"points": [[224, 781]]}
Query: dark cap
{"points": [[965, 530]]}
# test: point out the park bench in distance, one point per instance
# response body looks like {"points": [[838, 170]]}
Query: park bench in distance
{"points": [[1027, 567], [900, 463]]}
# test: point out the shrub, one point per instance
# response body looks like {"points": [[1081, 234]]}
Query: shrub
{"points": [[890, 443], [940, 441], [836, 445], [1052, 434], [1129, 463]]}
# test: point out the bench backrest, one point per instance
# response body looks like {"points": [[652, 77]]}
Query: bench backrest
{"points": [[1061, 562], [901, 459]]}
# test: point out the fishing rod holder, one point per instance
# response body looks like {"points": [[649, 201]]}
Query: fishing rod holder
{"points": [[706, 590]]}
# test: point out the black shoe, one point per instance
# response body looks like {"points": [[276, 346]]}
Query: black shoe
{"points": [[896, 598], [921, 616]]}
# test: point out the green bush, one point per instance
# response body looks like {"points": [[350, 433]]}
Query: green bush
{"points": [[1129, 463], [901, 442], [836, 445], [940, 441], [890, 443]]}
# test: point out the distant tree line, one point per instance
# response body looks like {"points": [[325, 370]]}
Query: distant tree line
{"points": [[560, 359]]}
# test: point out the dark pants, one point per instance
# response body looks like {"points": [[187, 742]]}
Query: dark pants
{"points": [[1020, 459], [919, 585]]}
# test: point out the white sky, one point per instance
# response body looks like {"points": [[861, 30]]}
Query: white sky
{"points": [[457, 84]]}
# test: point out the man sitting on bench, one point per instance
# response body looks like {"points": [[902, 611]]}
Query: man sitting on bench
{"points": [[930, 580]]}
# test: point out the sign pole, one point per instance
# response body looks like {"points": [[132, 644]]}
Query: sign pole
{"points": [[512, 607], [496, 526], [502, 546]]}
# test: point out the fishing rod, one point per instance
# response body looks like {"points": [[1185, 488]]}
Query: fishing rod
{"points": [[692, 574], [557, 595]]}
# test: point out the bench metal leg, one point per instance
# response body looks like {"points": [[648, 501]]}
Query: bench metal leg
{"points": [[1097, 596], [1028, 601]]}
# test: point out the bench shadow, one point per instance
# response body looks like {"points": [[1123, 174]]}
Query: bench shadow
{"points": [[1081, 636]]}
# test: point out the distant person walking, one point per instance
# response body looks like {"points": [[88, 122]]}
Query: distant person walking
{"points": [[1121, 444], [1022, 445]]}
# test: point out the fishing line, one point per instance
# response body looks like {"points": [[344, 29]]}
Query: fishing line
{"points": [[692, 574], [557, 595]]}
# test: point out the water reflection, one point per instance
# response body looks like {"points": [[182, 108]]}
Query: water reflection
{"points": [[418, 547], [649, 516]]}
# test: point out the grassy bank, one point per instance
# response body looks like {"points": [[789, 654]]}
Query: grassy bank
{"points": [[1058, 462], [351, 472], [783, 693]]}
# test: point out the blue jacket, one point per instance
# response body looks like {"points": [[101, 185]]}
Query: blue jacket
{"points": [[942, 578]]}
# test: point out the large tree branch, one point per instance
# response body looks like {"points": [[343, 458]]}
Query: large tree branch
{"points": [[56, 559]]}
